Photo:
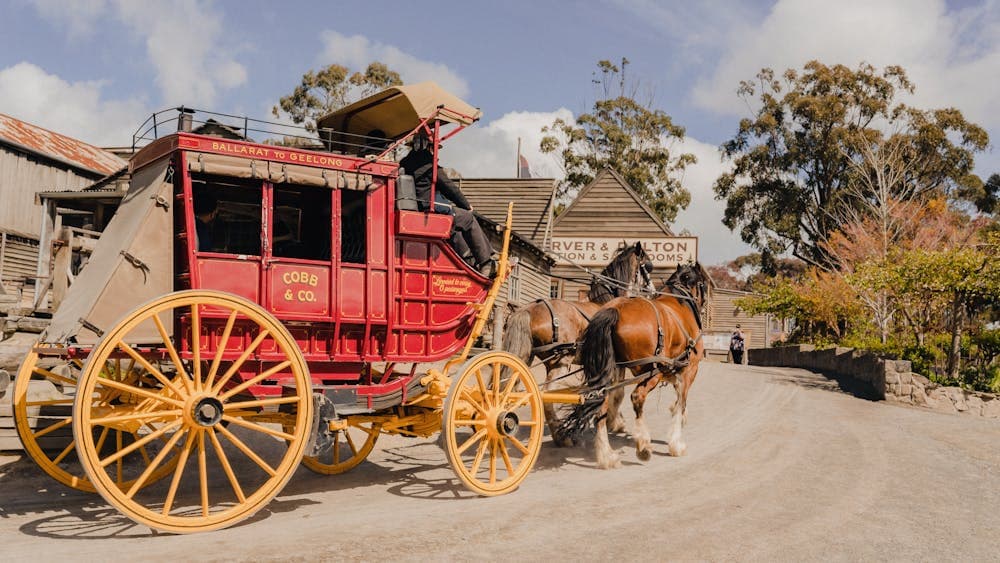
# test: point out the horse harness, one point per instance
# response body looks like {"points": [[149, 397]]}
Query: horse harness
{"points": [[556, 349], [663, 364]]}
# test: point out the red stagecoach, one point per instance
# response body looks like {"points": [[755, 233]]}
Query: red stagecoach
{"points": [[192, 367]]}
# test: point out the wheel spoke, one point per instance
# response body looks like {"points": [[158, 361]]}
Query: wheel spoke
{"points": [[493, 462], [480, 451], [228, 469], [521, 402], [261, 403], [149, 368], [102, 438], [54, 376], [350, 442], [147, 439], [203, 473], [173, 353], [506, 457], [239, 361], [472, 440], [255, 380], [178, 472], [147, 415], [473, 401], [246, 450], [119, 463], [517, 444], [152, 466], [53, 427], [210, 378], [141, 392], [336, 448], [496, 383], [507, 390], [49, 402], [482, 387], [257, 427], [64, 453], [142, 450]]}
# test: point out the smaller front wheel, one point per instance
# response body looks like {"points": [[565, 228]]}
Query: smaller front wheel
{"points": [[493, 423], [351, 446]]}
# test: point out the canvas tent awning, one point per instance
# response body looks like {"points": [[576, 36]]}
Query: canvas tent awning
{"points": [[396, 111]]}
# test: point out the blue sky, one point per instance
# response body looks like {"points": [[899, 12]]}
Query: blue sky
{"points": [[95, 69]]}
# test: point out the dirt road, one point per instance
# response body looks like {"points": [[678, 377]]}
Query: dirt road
{"points": [[780, 465]]}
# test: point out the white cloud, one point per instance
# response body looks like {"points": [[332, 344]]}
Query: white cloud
{"points": [[490, 150], [357, 51], [77, 109], [703, 217], [184, 40], [952, 57]]}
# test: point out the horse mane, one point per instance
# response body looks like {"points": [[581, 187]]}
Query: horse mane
{"points": [[684, 279], [618, 269]]}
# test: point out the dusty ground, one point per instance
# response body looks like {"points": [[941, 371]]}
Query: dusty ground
{"points": [[781, 465]]}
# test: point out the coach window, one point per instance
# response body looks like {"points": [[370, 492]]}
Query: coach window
{"points": [[301, 223], [227, 215], [353, 226]]}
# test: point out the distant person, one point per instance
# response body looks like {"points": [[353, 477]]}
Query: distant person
{"points": [[448, 199], [736, 345], [206, 212]]}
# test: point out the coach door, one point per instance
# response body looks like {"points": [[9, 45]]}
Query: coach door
{"points": [[298, 257]]}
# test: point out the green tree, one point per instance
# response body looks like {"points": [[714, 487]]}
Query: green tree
{"points": [[626, 135], [810, 141], [331, 88]]}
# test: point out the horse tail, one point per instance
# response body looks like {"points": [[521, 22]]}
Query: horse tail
{"points": [[517, 334], [597, 354]]}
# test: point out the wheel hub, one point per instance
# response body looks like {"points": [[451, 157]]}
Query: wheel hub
{"points": [[508, 424], [207, 411]]}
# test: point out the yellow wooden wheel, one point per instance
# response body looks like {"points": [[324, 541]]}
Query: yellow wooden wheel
{"points": [[43, 397], [227, 415], [493, 423], [351, 446]]}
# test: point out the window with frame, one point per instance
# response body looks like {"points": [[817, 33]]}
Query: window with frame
{"points": [[514, 284], [227, 215], [555, 289], [301, 222]]}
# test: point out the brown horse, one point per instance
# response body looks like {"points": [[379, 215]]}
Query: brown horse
{"points": [[548, 329], [658, 340]]}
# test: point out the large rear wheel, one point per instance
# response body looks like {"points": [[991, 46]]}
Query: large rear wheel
{"points": [[43, 397], [493, 423], [240, 423]]}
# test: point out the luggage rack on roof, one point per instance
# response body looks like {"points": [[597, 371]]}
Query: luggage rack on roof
{"points": [[243, 128]]}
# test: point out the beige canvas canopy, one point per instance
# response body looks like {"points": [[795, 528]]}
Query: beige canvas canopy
{"points": [[396, 111], [133, 263]]}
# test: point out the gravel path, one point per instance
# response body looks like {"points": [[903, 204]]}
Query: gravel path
{"points": [[780, 465]]}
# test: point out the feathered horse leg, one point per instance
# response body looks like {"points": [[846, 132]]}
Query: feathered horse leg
{"points": [[616, 422], [643, 443], [678, 412]]}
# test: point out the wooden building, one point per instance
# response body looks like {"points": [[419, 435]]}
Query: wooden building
{"points": [[605, 215], [33, 160]]}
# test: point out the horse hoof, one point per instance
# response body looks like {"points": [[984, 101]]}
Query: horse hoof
{"points": [[565, 443], [616, 427], [644, 454], [614, 462], [678, 451]]}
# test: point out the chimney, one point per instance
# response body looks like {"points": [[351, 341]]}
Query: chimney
{"points": [[185, 118]]}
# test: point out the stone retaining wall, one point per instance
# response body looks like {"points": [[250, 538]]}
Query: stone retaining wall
{"points": [[889, 380]]}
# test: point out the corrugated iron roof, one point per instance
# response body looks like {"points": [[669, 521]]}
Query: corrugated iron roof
{"points": [[58, 147]]}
